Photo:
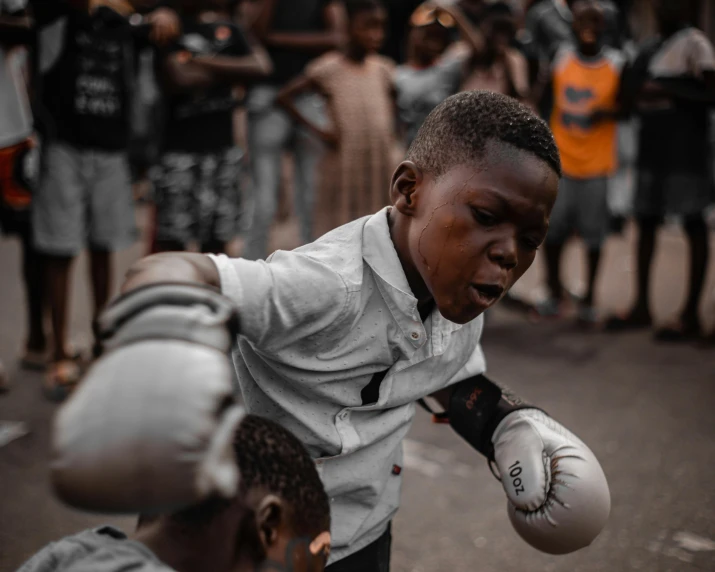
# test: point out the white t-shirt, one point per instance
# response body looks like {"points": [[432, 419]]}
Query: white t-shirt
{"points": [[15, 115], [317, 324]]}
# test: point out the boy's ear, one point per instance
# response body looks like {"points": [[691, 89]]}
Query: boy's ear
{"points": [[271, 516], [405, 182]]}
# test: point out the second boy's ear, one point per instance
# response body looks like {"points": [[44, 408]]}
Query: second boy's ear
{"points": [[405, 182], [270, 518]]}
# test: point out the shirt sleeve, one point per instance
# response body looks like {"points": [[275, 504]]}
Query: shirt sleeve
{"points": [[701, 56], [520, 72], [321, 69], [285, 299], [240, 45], [12, 6]]}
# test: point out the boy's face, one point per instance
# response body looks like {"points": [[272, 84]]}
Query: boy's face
{"points": [[429, 41], [367, 29], [587, 22], [474, 231]]}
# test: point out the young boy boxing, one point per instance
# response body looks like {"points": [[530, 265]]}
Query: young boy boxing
{"points": [[279, 520], [338, 339]]}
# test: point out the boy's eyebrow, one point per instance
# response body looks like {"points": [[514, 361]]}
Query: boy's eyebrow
{"points": [[509, 205]]}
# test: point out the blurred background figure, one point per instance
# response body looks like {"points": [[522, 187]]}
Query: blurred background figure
{"points": [[84, 197], [357, 85], [197, 187], [294, 32], [585, 83], [19, 162], [499, 67], [432, 72], [672, 86]]}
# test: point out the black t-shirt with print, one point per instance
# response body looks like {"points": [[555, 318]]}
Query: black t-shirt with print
{"points": [[87, 90], [201, 120]]}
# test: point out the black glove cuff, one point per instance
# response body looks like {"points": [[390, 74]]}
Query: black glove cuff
{"points": [[128, 309], [476, 408]]}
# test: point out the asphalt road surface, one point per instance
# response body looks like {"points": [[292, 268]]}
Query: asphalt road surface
{"points": [[646, 410]]}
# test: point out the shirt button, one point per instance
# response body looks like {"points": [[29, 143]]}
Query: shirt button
{"points": [[415, 335]]}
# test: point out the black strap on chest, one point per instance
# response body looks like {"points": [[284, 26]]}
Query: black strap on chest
{"points": [[371, 392]]}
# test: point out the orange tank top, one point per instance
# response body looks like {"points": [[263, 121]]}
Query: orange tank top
{"points": [[582, 86]]}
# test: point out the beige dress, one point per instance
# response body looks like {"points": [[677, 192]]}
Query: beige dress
{"points": [[355, 177]]}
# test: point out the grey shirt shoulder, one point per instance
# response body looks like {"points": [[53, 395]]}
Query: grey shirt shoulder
{"points": [[104, 549]]}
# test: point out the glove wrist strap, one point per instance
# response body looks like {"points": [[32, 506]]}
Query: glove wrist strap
{"points": [[477, 406], [191, 312]]}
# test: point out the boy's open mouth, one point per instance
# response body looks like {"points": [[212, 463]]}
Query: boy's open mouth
{"points": [[488, 293]]}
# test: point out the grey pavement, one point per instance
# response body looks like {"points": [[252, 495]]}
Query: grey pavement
{"points": [[645, 409]]}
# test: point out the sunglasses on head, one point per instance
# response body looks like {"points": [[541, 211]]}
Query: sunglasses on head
{"points": [[426, 15]]}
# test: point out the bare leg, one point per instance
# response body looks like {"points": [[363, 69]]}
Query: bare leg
{"points": [[594, 259], [697, 232], [33, 277], [100, 266], [58, 269], [646, 248], [553, 269]]}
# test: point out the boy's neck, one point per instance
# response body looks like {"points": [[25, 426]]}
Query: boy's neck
{"points": [[398, 234], [196, 552], [355, 53], [589, 50]]}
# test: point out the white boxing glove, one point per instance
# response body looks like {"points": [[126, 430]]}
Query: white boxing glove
{"points": [[151, 426], [558, 495]]}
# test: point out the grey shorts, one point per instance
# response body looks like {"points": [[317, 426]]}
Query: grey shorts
{"points": [[84, 198], [198, 196], [581, 208], [660, 194]]}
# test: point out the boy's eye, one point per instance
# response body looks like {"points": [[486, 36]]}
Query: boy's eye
{"points": [[484, 218], [531, 243]]}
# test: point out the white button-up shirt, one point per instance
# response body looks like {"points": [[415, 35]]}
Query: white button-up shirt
{"points": [[316, 324]]}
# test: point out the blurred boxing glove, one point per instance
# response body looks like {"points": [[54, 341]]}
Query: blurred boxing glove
{"points": [[150, 427], [558, 495]]}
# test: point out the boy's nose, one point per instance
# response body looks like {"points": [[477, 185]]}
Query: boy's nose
{"points": [[504, 253]]}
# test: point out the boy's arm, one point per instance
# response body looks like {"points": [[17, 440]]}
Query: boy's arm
{"points": [[285, 97], [471, 35], [331, 38], [558, 494], [16, 28], [181, 72]]}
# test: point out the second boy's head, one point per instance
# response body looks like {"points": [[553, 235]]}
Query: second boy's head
{"points": [[588, 24], [279, 520], [472, 201], [367, 20]]}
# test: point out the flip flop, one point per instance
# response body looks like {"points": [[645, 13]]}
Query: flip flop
{"points": [[34, 360], [61, 379], [679, 332], [627, 322]]}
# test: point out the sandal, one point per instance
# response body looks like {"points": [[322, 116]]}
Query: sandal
{"points": [[34, 360], [61, 379], [4, 379], [680, 332], [631, 321]]}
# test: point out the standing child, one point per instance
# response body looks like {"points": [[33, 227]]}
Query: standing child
{"points": [[338, 339], [197, 186], [433, 70], [18, 156], [84, 196], [357, 84], [586, 82]]}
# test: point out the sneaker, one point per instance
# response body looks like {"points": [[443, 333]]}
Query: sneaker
{"points": [[547, 308], [587, 315]]}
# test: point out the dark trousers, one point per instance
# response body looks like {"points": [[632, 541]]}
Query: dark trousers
{"points": [[374, 557]]}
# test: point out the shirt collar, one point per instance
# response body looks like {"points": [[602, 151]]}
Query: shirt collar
{"points": [[380, 255]]}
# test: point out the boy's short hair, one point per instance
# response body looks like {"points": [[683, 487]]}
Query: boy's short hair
{"points": [[271, 458], [353, 7], [458, 130]]}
